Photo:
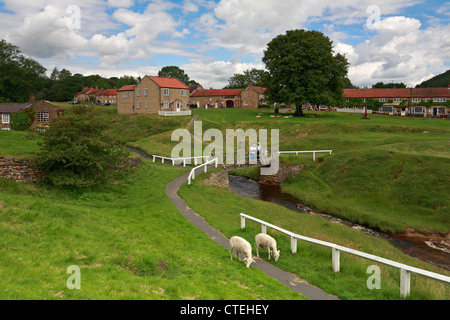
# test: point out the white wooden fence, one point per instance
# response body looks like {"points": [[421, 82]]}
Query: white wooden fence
{"points": [[192, 173], [313, 152], [174, 113], [405, 270], [179, 159]]}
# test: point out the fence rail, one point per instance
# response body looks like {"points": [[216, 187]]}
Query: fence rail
{"points": [[179, 159], [192, 173], [313, 152], [174, 113], [405, 270]]}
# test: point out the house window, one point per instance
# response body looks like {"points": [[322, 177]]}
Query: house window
{"points": [[416, 99], [146, 92], [166, 104], [139, 105], [418, 109], [5, 118], [246, 94], [387, 109], [138, 93], [146, 104], [398, 99], [126, 95], [166, 91], [183, 93], [439, 99], [383, 100], [246, 102], [43, 116]]}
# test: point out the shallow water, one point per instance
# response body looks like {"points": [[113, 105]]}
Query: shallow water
{"points": [[413, 246]]}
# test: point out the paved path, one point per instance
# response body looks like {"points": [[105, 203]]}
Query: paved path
{"points": [[289, 279]]}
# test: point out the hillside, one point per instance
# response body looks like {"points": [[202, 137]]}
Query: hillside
{"points": [[440, 81]]}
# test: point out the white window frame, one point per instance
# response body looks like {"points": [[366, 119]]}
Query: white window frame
{"points": [[145, 92], [146, 104], [383, 100], [398, 99], [166, 104], [126, 94], [43, 116], [439, 99], [416, 99], [166, 91], [183, 92], [138, 106], [415, 110], [6, 118], [138, 92]]}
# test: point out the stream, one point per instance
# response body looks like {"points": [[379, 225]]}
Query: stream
{"points": [[434, 250]]}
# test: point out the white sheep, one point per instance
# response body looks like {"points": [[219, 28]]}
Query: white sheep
{"points": [[241, 246], [266, 241]]}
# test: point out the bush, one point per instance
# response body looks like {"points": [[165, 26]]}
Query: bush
{"points": [[23, 119], [76, 153]]}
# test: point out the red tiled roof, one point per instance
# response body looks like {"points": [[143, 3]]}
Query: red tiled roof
{"points": [[398, 93], [260, 90], [169, 83], [215, 93], [129, 87], [13, 107], [107, 92]]}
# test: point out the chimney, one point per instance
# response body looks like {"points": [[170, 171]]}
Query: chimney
{"points": [[32, 97], [250, 83]]}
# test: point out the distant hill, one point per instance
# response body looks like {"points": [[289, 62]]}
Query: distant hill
{"points": [[440, 81]]}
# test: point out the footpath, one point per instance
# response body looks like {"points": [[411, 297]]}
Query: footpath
{"points": [[289, 279]]}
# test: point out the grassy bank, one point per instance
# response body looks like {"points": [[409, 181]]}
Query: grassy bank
{"points": [[313, 262], [128, 239]]}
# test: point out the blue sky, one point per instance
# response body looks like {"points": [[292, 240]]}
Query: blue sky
{"points": [[212, 40]]}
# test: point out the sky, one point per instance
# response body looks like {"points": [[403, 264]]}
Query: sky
{"points": [[391, 41]]}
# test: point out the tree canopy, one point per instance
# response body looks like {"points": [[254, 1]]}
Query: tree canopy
{"points": [[241, 80], [303, 69], [174, 72]]}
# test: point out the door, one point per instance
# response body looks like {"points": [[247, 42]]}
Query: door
{"points": [[178, 107]]}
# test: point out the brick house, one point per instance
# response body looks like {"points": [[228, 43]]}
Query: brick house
{"points": [[153, 95], [106, 96], [405, 101], [248, 98], [44, 113]]}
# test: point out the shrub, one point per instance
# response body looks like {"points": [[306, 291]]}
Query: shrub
{"points": [[75, 151]]}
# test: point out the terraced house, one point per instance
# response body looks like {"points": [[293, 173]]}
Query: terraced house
{"points": [[417, 102], [154, 95], [247, 98]]}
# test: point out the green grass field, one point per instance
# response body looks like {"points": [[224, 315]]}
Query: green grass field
{"points": [[130, 243]]}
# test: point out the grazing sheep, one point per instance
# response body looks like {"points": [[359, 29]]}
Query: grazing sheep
{"points": [[241, 246], [266, 241]]}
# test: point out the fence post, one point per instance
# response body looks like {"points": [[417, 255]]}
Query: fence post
{"points": [[293, 244], [242, 222], [263, 228], [405, 283], [314, 157], [154, 158], [335, 260]]}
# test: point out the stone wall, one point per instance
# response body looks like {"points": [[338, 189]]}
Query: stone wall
{"points": [[284, 171], [218, 178], [20, 170]]}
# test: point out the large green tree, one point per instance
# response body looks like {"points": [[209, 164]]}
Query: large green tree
{"points": [[241, 80], [303, 69], [174, 72], [19, 75]]}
